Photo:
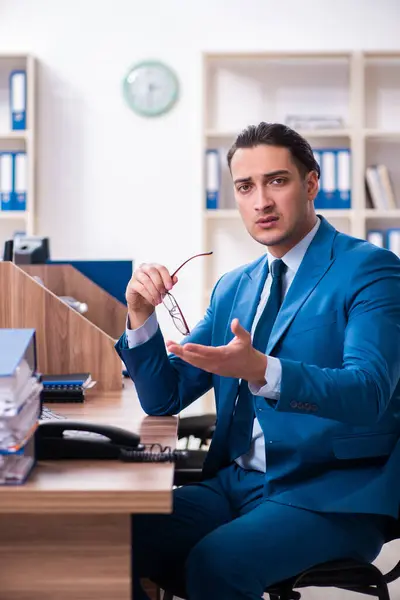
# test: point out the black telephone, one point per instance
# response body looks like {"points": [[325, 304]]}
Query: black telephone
{"points": [[68, 439]]}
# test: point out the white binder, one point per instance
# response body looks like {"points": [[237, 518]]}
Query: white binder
{"points": [[213, 176], [21, 180], [18, 100], [6, 180]]}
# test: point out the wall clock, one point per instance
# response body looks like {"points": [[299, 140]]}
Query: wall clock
{"points": [[151, 88]]}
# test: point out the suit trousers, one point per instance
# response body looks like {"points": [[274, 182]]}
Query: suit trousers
{"points": [[225, 541]]}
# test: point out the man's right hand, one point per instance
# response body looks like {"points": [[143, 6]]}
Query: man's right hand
{"points": [[146, 289]]}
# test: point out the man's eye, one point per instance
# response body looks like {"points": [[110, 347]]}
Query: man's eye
{"points": [[278, 180], [244, 188]]}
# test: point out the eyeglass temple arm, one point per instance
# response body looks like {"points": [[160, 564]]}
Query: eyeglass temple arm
{"points": [[186, 261]]}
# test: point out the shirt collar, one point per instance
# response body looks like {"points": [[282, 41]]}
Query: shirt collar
{"points": [[293, 258]]}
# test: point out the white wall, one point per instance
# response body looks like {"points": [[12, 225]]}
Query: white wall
{"points": [[114, 185]]}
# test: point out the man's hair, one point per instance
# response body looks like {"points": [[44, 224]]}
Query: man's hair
{"points": [[277, 134]]}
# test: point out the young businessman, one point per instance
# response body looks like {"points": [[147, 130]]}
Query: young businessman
{"points": [[302, 348]]}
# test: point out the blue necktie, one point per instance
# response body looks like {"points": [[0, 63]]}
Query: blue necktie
{"points": [[242, 421]]}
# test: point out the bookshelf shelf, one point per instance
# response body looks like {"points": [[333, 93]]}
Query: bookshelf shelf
{"points": [[373, 213], [313, 133], [14, 135], [12, 215], [360, 89], [23, 140], [382, 134], [232, 213]]}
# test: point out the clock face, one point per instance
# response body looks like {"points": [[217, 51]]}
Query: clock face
{"points": [[151, 88]]}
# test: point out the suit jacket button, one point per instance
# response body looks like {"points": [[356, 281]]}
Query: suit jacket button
{"points": [[293, 404]]}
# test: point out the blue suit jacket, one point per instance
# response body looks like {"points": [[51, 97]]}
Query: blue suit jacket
{"points": [[332, 439]]}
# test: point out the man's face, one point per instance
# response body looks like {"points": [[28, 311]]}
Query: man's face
{"points": [[275, 202]]}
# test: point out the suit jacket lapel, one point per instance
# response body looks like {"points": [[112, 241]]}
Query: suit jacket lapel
{"points": [[244, 308], [247, 296], [316, 262]]}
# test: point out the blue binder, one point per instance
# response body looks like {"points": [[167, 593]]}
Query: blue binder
{"points": [[343, 178], [335, 181], [20, 181], [7, 180], [18, 98], [378, 237], [213, 179], [393, 240]]}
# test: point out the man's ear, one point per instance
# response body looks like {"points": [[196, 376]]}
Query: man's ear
{"points": [[312, 184]]}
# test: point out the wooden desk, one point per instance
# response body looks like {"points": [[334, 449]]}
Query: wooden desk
{"points": [[65, 534]]}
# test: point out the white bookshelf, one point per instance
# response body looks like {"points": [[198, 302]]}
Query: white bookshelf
{"points": [[363, 88], [12, 221]]}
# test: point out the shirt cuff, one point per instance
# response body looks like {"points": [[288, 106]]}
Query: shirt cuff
{"points": [[141, 335], [273, 377]]}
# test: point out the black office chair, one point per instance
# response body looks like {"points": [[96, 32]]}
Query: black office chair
{"points": [[188, 470], [200, 426], [362, 578], [352, 575], [355, 576]]}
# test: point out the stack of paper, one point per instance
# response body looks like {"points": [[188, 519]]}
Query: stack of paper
{"points": [[20, 404]]}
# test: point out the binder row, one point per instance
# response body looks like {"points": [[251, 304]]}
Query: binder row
{"points": [[13, 180], [18, 98], [386, 238], [335, 183]]}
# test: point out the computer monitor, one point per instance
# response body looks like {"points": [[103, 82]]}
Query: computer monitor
{"points": [[27, 250]]}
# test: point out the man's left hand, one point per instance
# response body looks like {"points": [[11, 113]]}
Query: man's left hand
{"points": [[237, 359]]}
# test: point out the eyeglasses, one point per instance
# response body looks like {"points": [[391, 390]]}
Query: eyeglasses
{"points": [[172, 306]]}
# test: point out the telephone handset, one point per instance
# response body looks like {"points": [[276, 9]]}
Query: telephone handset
{"points": [[68, 439]]}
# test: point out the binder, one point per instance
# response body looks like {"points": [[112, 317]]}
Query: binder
{"points": [[335, 181], [319, 200], [6, 180], [343, 178], [20, 181], [393, 240], [328, 177], [18, 99], [376, 237], [213, 179]]}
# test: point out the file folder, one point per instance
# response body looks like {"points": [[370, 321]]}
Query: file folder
{"points": [[6, 180], [376, 237], [213, 179], [21, 181], [18, 100], [343, 176], [393, 240], [335, 181], [328, 176]]}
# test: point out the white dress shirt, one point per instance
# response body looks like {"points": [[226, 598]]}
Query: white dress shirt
{"points": [[255, 458]]}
